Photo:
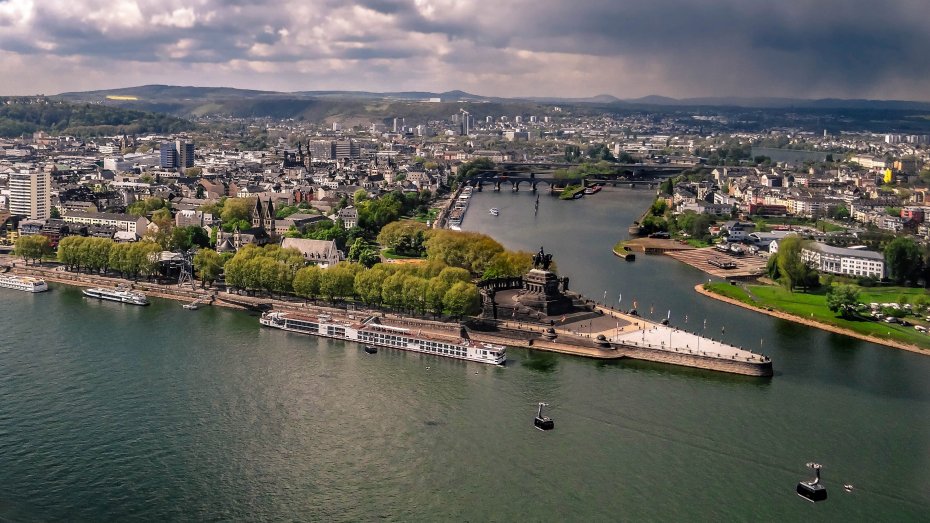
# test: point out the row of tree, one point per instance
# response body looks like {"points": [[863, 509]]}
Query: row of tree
{"points": [[131, 260], [270, 269], [33, 247], [425, 288], [432, 287]]}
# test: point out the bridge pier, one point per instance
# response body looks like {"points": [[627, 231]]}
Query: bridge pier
{"points": [[514, 186], [497, 186], [533, 185]]}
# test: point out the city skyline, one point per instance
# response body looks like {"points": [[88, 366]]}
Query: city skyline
{"points": [[679, 49]]}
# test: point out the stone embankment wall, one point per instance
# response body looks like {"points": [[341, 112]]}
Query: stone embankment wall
{"points": [[733, 366]]}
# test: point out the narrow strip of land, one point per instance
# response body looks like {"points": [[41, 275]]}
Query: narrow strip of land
{"points": [[812, 323]]}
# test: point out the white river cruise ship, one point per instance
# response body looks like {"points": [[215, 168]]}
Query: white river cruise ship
{"points": [[373, 333], [117, 294], [23, 283]]}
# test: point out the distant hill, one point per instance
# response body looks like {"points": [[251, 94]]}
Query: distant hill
{"points": [[164, 92], [775, 103], [359, 106], [23, 116], [362, 107], [599, 99]]}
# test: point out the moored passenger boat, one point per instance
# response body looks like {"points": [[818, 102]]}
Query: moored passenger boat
{"points": [[372, 333], [23, 283], [118, 294]]}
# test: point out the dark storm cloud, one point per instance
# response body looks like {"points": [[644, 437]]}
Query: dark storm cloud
{"points": [[677, 47], [862, 41]]}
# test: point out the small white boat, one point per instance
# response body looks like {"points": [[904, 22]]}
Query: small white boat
{"points": [[494, 211]]}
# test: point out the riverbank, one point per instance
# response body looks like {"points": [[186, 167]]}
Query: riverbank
{"points": [[812, 323], [169, 292], [525, 336]]}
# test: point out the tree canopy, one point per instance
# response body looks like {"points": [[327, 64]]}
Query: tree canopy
{"points": [[903, 259], [793, 271], [33, 247], [842, 299]]}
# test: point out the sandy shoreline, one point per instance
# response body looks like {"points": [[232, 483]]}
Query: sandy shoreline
{"points": [[811, 323]]}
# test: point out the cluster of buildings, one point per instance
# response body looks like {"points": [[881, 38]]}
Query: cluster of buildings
{"points": [[50, 181]]}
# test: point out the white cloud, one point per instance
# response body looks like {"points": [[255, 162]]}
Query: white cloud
{"points": [[184, 18]]}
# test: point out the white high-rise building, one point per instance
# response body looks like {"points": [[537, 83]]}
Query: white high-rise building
{"points": [[31, 194]]}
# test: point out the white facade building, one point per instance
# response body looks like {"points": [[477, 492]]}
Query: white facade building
{"points": [[122, 222], [30, 194], [851, 262]]}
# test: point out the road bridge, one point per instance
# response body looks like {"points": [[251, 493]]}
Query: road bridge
{"points": [[514, 180]]}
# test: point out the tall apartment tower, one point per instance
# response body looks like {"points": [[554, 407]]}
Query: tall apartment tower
{"points": [[31, 194], [185, 150], [169, 155], [467, 122]]}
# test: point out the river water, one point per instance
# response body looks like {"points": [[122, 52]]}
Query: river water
{"points": [[114, 412]]}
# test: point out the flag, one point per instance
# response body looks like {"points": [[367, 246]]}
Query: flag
{"points": [[686, 318], [652, 309], [705, 323], [619, 297], [563, 319], [605, 296], [669, 317]]}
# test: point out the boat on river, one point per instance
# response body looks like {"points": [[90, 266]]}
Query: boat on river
{"points": [[494, 211], [119, 294], [22, 283], [371, 332]]}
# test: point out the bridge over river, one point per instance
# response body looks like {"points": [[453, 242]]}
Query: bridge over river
{"points": [[514, 179]]}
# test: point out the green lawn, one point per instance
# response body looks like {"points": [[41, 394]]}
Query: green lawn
{"points": [[730, 291], [826, 226], [813, 305]]}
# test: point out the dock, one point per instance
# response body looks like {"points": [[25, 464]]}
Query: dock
{"points": [[656, 245], [721, 264]]}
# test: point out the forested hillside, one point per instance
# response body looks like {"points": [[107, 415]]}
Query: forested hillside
{"points": [[22, 115]]}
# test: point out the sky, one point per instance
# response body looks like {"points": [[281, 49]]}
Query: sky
{"points": [[626, 48]]}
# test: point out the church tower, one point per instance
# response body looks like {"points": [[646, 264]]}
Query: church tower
{"points": [[269, 218], [258, 214]]}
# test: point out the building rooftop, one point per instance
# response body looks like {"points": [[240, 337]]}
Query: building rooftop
{"points": [[852, 253]]}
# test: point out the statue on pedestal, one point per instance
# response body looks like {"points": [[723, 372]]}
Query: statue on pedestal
{"points": [[541, 260]]}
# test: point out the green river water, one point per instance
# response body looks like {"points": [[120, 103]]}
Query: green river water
{"points": [[114, 412]]}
